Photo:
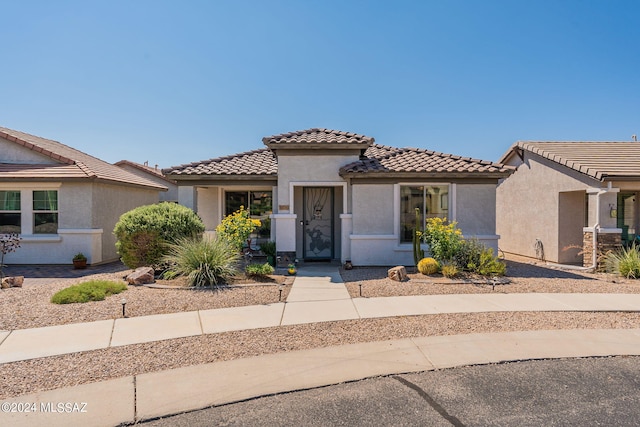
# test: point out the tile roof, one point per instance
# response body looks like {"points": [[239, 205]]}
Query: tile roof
{"points": [[78, 164], [260, 162], [598, 159], [144, 168], [406, 161], [317, 138]]}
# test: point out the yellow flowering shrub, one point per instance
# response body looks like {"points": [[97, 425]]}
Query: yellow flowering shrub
{"points": [[237, 227]]}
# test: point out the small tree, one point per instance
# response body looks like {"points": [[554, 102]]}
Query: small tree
{"points": [[237, 227], [9, 242], [444, 239]]}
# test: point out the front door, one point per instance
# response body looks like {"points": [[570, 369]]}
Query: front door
{"points": [[318, 223]]}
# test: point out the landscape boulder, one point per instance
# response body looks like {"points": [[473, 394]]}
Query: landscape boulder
{"points": [[399, 273], [141, 276], [12, 282]]}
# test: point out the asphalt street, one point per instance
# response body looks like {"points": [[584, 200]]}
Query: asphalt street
{"points": [[571, 392]]}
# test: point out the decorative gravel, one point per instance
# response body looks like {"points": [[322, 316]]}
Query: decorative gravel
{"points": [[30, 307]]}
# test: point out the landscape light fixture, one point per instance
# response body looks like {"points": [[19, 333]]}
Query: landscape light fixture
{"points": [[124, 303]]}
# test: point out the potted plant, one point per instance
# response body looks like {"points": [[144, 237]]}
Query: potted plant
{"points": [[291, 269], [79, 261], [269, 249]]}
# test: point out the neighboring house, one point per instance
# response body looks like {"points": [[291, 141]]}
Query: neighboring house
{"points": [[566, 195], [329, 195], [154, 174], [63, 201]]}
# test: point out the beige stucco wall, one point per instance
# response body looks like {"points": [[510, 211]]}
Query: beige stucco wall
{"points": [[171, 195], [108, 202], [309, 168], [10, 152], [528, 206], [373, 208], [208, 209]]}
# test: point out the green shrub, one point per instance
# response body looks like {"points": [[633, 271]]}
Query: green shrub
{"points": [[428, 266], [259, 270], [144, 232], [468, 255], [488, 265], [94, 290], [443, 238], [208, 261], [268, 248], [625, 262], [450, 270]]}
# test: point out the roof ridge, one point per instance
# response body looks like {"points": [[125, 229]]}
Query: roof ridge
{"points": [[315, 130]]}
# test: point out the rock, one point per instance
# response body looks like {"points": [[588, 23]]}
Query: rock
{"points": [[141, 276], [16, 281], [399, 273], [12, 282]]}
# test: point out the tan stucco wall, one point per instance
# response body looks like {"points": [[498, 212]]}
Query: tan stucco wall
{"points": [[108, 202], [528, 206], [10, 152], [373, 208], [310, 168], [165, 196], [208, 209], [476, 209]]}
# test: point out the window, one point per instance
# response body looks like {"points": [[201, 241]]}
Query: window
{"points": [[10, 212], [45, 212], [431, 200], [258, 203]]}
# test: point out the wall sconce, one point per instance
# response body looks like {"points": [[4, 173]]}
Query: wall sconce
{"points": [[613, 212]]}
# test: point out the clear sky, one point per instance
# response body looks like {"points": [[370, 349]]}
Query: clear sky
{"points": [[173, 82]]}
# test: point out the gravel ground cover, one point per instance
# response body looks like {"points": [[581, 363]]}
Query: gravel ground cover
{"points": [[29, 307]]}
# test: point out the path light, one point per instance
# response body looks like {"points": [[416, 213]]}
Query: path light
{"points": [[124, 303], [280, 289], [360, 285]]}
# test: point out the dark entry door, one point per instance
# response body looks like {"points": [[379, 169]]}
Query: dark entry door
{"points": [[318, 223]]}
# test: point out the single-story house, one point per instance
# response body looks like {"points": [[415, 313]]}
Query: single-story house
{"points": [[566, 196], [62, 201], [154, 174], [330, 195]]}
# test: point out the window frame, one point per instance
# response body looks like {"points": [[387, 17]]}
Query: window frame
{"points": [[12, 211], [53, 212], [448, 214], [265, 217]]}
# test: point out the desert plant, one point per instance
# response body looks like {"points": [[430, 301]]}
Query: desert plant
{"points": [[79, 257], [450, 270], [259, 270], [9, 242], [94, 290], [144, 232], [428, 266], [204, 261], [444, 239], [268, 248], [467, 257], [418, 252], [237, 227], [488, 265], [624, 261]]}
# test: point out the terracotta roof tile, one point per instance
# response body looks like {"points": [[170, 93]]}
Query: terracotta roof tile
{"points": [[260, 162], [92, 167], [317, 137], [597, 159], [413, 160]]}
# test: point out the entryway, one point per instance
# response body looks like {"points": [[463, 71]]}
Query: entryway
{"points": [[318, 224]]}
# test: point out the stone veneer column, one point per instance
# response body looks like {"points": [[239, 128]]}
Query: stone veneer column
{"points": [[609, 239]]}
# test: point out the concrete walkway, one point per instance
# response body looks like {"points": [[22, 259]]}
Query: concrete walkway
{"points": [[317, 295]]}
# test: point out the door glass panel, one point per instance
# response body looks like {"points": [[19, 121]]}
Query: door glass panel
{"points": [[318, 219]]}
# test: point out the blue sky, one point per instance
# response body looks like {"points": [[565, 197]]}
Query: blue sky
{"points": [[172, 82]]}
